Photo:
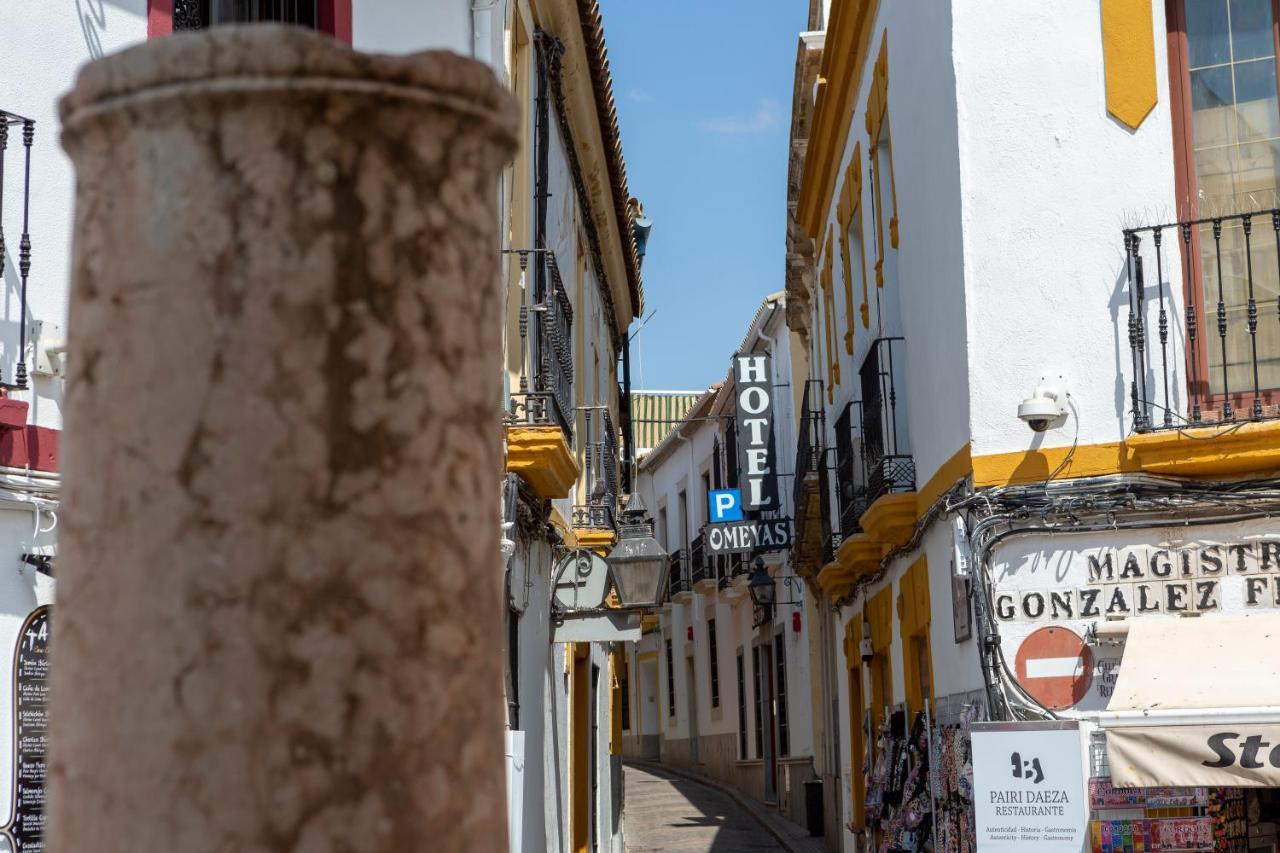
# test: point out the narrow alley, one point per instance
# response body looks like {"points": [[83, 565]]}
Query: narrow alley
{"points": [[672, 813]]}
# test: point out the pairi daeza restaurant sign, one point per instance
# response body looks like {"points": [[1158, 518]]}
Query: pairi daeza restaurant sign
{"points": [[1028, 787], [1134, 581]]}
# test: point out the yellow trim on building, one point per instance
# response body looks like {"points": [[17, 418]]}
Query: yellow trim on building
{"points": [[1214, 451], [597, 540], [843, 55], [1129, 59], [877, 112], [857, 745], [913, 620], [542, 457], [879, 615], [834, 580], [890, 518], [960, 465], [860, 555], [849, 212]]}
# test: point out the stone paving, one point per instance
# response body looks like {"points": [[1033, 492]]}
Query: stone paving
{"points": [[665, 812]]}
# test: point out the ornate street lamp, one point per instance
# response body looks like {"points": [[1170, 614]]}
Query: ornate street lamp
{"points": [[763, 592], [638, 564]]}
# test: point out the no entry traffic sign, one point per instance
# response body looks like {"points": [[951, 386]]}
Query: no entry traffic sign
{"points": [[1055, 667]]}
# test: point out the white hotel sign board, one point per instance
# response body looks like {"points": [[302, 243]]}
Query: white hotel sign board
{"points": [[1029, 787]]}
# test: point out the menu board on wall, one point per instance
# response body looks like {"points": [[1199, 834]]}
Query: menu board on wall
{"points": [[31, 732]]}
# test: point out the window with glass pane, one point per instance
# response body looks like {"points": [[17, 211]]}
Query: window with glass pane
{"points": [[1235, 142]]}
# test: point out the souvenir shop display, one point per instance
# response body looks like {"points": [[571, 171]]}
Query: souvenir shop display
{"points": [[1231, 829], [910, 826], [954, 785]]}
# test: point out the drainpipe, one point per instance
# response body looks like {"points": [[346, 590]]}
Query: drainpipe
{"points": [[482, 31]]}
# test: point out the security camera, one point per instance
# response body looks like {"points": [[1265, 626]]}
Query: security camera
{"points": [[1043, 407]]}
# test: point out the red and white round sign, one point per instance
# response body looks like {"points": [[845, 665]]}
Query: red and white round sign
{"points": [[1055, 667]]}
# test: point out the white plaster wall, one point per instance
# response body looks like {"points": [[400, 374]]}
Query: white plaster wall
{"points": [[407, 26], [929, 302], [1049, 180], [45, 45]]}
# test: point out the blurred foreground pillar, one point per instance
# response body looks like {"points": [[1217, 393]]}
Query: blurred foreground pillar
{"points": [[279, 593]]}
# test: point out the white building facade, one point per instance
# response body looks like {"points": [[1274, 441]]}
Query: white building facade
{"points": [[717, 686], [1033, 260]]}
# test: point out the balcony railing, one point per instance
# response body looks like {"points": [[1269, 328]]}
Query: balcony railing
{"points": [[594, 516], [850, 471], [11, 120], [890, 466], [1225, 366], [601, 455], [677, 573], [700, 568], [810, 438], [545, 393]]}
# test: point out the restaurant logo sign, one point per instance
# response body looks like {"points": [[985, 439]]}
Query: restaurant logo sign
{"points": [[753, 383]]}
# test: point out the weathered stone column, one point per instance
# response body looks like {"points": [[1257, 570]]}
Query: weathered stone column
{"points": [[279, 593]]}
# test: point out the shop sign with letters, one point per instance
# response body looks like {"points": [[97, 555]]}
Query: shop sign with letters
{"points": [[1232, 755], [1029, 787], [753, 386]]}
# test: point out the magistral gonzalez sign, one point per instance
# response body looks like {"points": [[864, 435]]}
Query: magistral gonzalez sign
{"points": [[1029, 787], [753, 386], [1142, 580]]}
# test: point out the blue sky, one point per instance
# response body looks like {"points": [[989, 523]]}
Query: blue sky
{"points": [[704, 100]]}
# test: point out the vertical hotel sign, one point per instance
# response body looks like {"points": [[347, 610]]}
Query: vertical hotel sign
{"points": [[753, 381]]}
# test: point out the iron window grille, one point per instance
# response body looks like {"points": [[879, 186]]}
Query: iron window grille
{"points": [[714, 663], [759, 706], [699, 566], [671, 682], [677, 572], [850, 471], [890, 467], [602, 460], [545, 392], [780, 659], [13, 120], [1224, 370], [202, 14], [742, 709]]}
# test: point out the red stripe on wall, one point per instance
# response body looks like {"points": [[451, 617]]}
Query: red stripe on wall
{"points": [[159, 18], [334, 18], [30, 447]]}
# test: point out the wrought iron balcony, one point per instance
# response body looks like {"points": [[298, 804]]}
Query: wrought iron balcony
{"points": [[812, 549], [700, 568], [1224, 367], [545, 393], [595, 516], [11, 120], [677, 573], [890, 467], [810, 439], [850, 472]]}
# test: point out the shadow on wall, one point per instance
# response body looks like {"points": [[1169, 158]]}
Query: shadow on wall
{"points": [[92, 15]]}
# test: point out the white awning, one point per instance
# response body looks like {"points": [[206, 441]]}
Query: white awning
{"points": [[1206, 662], [1197, 702]]}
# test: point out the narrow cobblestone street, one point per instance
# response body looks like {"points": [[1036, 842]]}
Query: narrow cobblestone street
{"points": [[670, 813]]}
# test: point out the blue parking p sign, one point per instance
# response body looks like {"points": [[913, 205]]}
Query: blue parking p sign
{"points": [[724, 505]]}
